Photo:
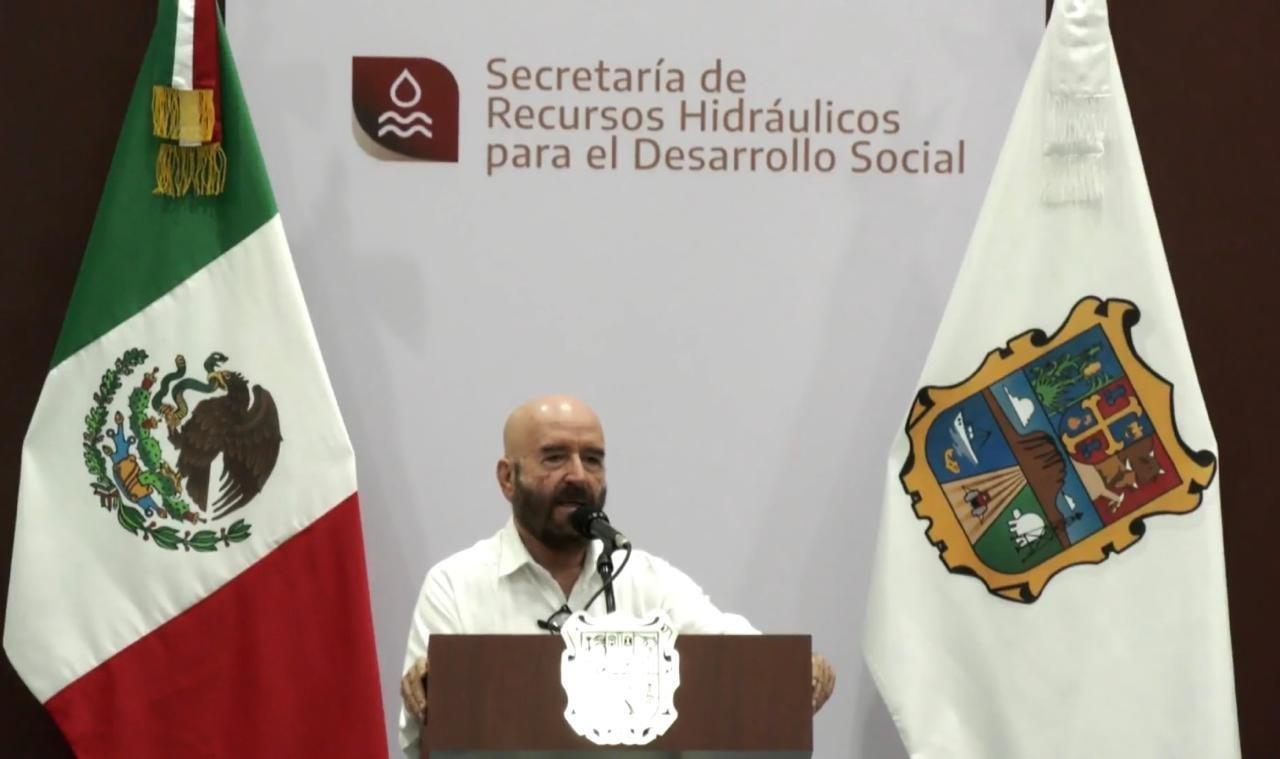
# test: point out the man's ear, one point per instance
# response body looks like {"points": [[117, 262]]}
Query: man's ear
{"points": [[506, 473]]}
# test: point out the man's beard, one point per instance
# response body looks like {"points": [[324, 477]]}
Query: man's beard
{"points": [[536, 512]]}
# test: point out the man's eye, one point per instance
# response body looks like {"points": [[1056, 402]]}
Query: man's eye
{"points": [[553, 458]]}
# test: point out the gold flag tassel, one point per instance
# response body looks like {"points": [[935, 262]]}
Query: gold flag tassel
{"points": [[186, 160]]}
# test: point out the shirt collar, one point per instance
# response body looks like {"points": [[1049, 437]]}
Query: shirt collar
{"points": [[512, 554]]}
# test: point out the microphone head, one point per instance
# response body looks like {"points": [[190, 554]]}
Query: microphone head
{"points": [[583, 516]]}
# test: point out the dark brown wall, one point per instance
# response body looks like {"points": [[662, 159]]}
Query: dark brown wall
{"points": [[1201, 81], [66, 72]]}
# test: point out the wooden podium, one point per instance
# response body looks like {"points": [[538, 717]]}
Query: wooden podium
{"points": [[740, 697]]}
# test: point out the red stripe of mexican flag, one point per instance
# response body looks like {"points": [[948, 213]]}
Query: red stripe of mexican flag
{"points": [[188, 571], [205, 59], [272, 675]]}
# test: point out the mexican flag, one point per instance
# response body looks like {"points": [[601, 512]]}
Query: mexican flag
{"points": [[188, 569], [1049, 576]]}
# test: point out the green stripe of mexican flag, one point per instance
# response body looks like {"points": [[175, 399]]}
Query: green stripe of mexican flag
{"points": [[188, 570]]}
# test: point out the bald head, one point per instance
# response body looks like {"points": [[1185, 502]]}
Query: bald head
{"points": [[533, 418]]}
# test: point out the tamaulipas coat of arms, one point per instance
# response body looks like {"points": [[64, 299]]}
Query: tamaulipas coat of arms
{"points": [[1050, 455], [179, 452], [620, 675]]}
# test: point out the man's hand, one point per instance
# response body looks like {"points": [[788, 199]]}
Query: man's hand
{"points": [[824, 681], [414, 691]]}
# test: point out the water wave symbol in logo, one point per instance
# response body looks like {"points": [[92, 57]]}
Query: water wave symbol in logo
{"points": [[405, 108], [405, 125]]}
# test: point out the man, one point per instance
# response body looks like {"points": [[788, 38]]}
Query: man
{"points": [[521, 580]]}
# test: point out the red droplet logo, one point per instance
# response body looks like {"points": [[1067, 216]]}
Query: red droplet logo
{"points": [[406, 108]]}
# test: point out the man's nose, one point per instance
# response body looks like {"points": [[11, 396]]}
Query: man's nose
{"points": [[577, 471]]}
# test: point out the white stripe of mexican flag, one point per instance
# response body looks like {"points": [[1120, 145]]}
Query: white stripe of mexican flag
{"points": [[184, 47]]}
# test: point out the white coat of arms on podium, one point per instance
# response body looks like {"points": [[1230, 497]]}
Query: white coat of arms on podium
{"points": [[620, 674]]}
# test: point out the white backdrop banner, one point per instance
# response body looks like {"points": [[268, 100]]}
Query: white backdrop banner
{"points": [[730, 225]]}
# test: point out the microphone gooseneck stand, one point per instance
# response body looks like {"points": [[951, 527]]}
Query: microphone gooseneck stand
{"points": [[604, 565]]}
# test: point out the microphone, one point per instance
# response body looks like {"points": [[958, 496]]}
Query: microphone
{"points": [[591, 522]]}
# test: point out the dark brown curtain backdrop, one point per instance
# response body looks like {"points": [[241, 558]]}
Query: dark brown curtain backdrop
{"points": [[1201, 80]]}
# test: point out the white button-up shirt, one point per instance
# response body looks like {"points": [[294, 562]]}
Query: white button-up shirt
{"points": [[495, 587]]}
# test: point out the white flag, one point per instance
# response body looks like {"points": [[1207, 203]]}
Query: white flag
{"points": [[1049, 576]]}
